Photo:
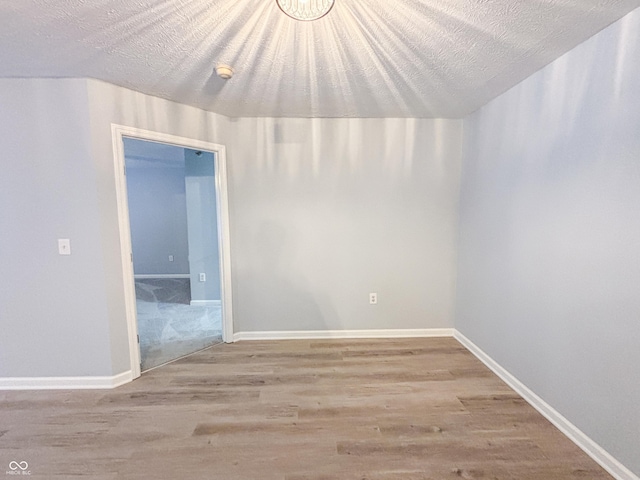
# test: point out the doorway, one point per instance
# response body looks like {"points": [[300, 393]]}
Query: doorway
{"points": [[174, 224]]}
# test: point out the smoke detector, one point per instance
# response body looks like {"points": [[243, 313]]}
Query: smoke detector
{"points": [[224, 71]]}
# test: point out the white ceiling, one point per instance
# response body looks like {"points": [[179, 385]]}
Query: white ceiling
{"points": [[366, 58]]}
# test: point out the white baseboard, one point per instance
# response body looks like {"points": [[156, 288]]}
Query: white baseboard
{"points": [[328, 334], [64, 383], [161, 275], [206, 303], [591, 448]]}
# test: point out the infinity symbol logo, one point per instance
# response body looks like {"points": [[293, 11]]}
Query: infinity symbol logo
{"points": [[18, 465]]}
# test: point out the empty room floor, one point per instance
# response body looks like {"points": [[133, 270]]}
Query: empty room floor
{"points": [[402, 409], [169, 326]]}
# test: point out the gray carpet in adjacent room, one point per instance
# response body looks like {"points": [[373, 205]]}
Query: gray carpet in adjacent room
{"points": [[169, 327]]}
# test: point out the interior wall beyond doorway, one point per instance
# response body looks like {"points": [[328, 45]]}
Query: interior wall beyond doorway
{"points": [[157, 207]]}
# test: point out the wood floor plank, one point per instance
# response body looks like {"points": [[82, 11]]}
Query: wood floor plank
{"points": [[397, 409]]}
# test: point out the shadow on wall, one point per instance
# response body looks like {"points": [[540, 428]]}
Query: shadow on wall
{"points": [[338, 150], [277, 290]]}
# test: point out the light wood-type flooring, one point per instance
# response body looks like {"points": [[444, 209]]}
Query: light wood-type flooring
{"points": [[409, 409]]}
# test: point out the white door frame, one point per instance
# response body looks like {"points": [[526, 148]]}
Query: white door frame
{"points": [[118, 133]]}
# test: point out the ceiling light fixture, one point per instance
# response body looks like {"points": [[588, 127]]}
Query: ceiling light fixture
{"points": [[305, 10]]}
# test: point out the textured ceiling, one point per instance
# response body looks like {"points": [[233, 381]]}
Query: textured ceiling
{"points": [[366, 58]]}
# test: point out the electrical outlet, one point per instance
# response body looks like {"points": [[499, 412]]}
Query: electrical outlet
{"points": [[64, 246], [203, 277], [171, 258], [373, 298]]}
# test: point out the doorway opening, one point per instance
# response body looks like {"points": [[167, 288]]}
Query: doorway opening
{"points": [[174, 225]]}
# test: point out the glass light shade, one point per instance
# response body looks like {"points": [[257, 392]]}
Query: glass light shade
{"points": [[305, 10]]}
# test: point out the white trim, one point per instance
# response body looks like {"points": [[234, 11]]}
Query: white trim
{"points": [[224, 243], [64, 383], [142, 276], [220, 164], [206, 303], [591, 448], [125, 249], [327, 334]]}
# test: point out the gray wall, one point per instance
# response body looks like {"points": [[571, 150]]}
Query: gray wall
{"points": [[53, 309], [322, 213], [202, 224], [549, 257], [111, 104], [157, 207], [325, 211], [65, 315]]}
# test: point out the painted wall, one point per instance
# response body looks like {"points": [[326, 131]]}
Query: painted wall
{"points": [[202, 224], [325, 211], [53, 309], [549, 257], [111, 104], [157, 207], [65, 315], [322, 213]]}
